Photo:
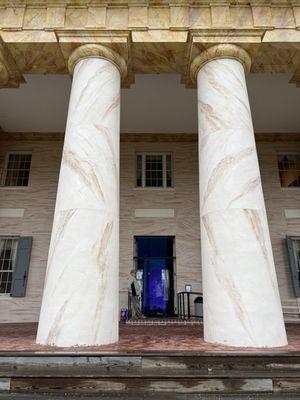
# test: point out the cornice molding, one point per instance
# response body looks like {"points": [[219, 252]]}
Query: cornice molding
{"points": [[217, 52], [51, 15], [159, 137], [114, 3], [146, 137], [97, 51], [31, 136]]}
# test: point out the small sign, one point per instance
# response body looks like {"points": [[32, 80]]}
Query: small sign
{"points": [[139, 274], [188, 288]]}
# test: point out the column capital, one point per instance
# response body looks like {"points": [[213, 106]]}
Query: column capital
{"points": [[97, 51], [218, 51]]}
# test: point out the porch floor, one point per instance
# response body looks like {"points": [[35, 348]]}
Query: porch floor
{"points": [[136, 338]]}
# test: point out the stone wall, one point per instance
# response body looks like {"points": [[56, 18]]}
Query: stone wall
{"points": [[39, 198]]}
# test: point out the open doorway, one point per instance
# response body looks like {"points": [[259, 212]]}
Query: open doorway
{"points": [[155, 264]]}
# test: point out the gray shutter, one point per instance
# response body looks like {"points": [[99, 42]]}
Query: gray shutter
{"points": [[293, 265], [20, 273]]}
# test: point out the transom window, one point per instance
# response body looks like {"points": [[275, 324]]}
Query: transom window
{"points": [[8, 252], [154, 170], [289, 170], [17, 170]]}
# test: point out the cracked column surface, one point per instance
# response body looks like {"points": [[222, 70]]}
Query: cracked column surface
{"points": [[241, 298], [81, 295]]}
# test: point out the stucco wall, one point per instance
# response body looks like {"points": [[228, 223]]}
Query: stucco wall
{"points": [[39, 198], [277, 200]]}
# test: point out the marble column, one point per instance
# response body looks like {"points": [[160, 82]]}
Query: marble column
{"points": [[241, 298], [81, 295]]}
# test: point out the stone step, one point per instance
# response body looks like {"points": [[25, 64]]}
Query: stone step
{"points": [[145, 374]]}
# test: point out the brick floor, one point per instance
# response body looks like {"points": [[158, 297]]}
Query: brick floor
{"points": [[21, 337]]}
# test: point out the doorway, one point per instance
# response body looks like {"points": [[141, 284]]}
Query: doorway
{"points": [[154, 262]]}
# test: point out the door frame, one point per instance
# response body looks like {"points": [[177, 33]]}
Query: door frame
{"points": [[135, 257]]}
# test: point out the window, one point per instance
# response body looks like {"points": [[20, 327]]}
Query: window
{"points": [[293, 245], [154, 170], [17, 170], [289, 170], [8, 252]]}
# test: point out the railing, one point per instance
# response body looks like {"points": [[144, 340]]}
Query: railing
{"points": [[129, 311], [184, 304]]}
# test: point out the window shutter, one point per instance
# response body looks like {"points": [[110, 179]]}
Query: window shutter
{"points": [[293, 265], [20, 273]]}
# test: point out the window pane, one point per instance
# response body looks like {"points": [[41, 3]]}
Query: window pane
{"points": [[154, 170], [17, 170], [296, 248], [139, 170], [8, 251], [169, 170], [289, 170]]}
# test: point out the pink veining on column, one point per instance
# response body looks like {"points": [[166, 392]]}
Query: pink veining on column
{"points": [[80, 301], [241, 298]]}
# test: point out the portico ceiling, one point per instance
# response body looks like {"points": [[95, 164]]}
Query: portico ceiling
{"points": [[37, 38], [154, 104]]}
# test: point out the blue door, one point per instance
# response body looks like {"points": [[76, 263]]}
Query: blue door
{"points": [[155, 266]]}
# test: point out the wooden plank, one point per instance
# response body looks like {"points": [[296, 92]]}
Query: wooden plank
{"points": [[213, 385], [107, 396], [231, 363], [156, 396], [287, 385], [4, 384], [284, 366], [92, 386], [53, 366], [149, 366], [166, 374]]}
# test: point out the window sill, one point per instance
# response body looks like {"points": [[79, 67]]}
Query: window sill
{"points": [[289, 188], [14, 187], [5, 296]]}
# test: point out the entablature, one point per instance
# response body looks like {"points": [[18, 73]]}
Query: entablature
{"points": [[152, 37]]}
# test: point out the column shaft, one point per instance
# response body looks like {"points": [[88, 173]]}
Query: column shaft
{"points": [[80, 301], [241, 299]]}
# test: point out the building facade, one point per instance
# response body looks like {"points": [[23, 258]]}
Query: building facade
{"points": [[109, 201]]}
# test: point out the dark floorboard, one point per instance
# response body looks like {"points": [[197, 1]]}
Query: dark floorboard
{"points": [[171, 396]]}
